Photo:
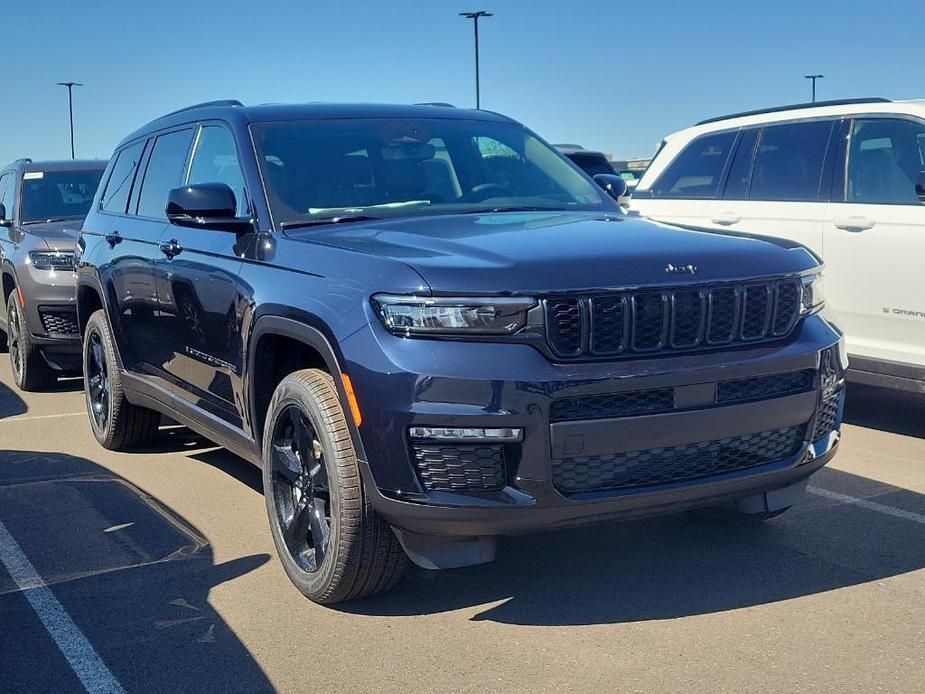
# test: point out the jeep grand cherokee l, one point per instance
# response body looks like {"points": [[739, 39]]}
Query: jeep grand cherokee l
{"points": [[430, 330], [845, 178], [42, 204]]}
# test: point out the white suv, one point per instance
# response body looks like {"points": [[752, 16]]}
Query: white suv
{"points": [[845, 178]]}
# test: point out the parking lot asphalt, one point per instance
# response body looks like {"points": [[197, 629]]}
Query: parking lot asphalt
{"points": [[154, 571]]}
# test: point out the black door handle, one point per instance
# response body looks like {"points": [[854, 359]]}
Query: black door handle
{"points": [[113, 238], [171, 248]]}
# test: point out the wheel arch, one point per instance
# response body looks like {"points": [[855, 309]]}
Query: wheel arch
{"points": [[298, 346], [89, 299]]}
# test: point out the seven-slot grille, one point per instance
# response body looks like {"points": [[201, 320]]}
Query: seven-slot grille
{"points": [[645, 321]]}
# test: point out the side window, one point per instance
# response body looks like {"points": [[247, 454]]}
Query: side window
{"points": [[789, 162], [164, 172], [7, 188], [216, 161], [115, 197], [697, 170], [741, 169], [885, 158]]}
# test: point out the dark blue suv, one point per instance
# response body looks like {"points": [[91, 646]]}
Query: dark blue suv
{"points": [[430, 329]]}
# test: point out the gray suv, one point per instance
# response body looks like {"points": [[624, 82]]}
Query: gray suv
{"points": [[42, 205]]}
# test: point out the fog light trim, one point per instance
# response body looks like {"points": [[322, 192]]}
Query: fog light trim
{"points": [[502, 435]]}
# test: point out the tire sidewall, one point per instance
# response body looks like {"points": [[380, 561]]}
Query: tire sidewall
{"points": [[292, 392], [97, 325], [14, 309]]}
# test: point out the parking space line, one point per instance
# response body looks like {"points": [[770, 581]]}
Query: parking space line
{"points": [[869, 505], [29, 417], [80, 654]]}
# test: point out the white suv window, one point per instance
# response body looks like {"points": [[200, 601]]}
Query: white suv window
{"points": [[884, 160], [790, 160], [697, 170]]}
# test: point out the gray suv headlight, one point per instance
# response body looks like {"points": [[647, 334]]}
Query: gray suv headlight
{"points": [[813, 293], [405, 315], [52, 260]]}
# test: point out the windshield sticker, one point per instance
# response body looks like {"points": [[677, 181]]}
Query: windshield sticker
{"points": [[30, 175]]}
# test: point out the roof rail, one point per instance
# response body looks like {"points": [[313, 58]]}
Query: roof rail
{"points": [[435, 103], [204, 104], [23, 160], [796, 107]]}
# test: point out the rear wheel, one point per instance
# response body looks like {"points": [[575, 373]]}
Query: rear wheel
{"points": [[30, 370], [117, 424], [332, 544]]}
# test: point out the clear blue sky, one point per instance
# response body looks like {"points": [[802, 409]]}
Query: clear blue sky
{"points": [[614, 76]]}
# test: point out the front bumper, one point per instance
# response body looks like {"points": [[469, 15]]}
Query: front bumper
{"points": [[574, 470], [51, 313]]}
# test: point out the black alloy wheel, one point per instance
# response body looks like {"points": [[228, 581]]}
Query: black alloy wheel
{"points": [[98, 384], [301, 491]]}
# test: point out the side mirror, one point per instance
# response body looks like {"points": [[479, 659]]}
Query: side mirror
{"points": [[4, 222], [612, 184], [206, 206], [920, 187]]}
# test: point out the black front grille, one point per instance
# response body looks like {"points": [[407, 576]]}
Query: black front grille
{"points": [[676, 464], [460, 467], [763, 387], [826, 416], [671, 319], [612, 405], [661, 400], [58, 320]]}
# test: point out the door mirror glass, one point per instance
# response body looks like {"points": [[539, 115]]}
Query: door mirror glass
{"points": [[205, 206], [4, 222], [612, 184], [920, 187]]}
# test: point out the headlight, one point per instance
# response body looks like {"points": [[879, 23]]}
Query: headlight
{"points": [[52, 260], [813, 293], [406, 315]]}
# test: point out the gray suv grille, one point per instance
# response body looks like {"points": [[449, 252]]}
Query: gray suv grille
{"points": [[687, 318]]}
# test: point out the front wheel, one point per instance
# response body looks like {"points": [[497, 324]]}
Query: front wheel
{"points": [[30, 370], [332, 544]]}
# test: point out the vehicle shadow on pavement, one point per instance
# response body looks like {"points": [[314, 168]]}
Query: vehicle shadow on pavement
{"points": [[894, 411], [677, 566], [132, 574], [11, 405]]}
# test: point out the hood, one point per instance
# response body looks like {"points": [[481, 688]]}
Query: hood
{"points": [[551, 252], [60, 236]]}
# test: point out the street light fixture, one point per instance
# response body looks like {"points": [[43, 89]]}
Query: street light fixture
{"points": [[814, 78], [475, 16], [70, 107]]}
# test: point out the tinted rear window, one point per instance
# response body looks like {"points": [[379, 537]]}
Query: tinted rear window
{"points": [[115, 199], [789, 162], [697, 170]]}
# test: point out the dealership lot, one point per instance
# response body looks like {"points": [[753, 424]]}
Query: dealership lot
{"points": [[160, 576]]}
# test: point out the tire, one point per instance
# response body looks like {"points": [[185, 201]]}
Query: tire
{"points": [[30, 370], [322, 507], [724, 515], [117, 424]]}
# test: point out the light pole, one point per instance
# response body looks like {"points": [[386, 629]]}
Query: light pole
{"points": [[70, 107], [475, 16], [814, 78]]}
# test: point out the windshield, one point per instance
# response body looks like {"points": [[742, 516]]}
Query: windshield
{"points": [[391, 167], [58, 195]]}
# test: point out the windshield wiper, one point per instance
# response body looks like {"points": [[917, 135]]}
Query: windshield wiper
{"points": [[301, 223], [524, 208], [50, 220]]}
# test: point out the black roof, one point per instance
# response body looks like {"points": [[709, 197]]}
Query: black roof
{"points": [[234, 111], [796, 107], [27, 165]]}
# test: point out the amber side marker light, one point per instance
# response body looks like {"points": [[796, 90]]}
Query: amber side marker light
{"points": [[352, 399]]}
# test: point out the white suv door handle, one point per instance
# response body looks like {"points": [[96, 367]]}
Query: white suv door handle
{"points": [[726, 218], [854, 223]]}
